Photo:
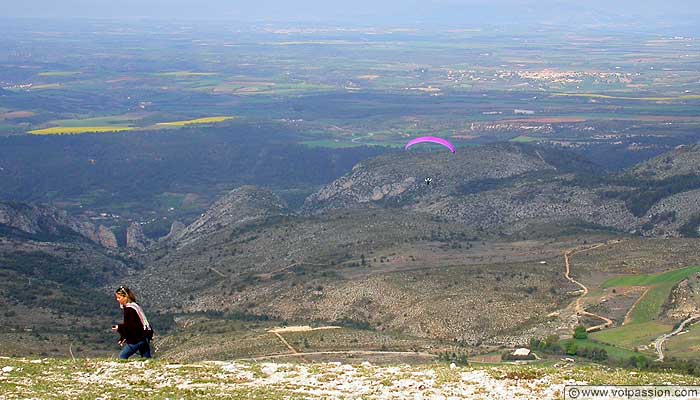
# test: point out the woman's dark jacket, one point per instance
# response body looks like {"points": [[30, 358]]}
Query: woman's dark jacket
{"points": [[132, 328]]}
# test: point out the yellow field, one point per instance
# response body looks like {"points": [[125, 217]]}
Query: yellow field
{"points": [[207, 120], [66, 130], [58, 73], [603, 96]]}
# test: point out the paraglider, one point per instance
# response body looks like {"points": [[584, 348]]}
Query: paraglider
{"points": [[428, 180], [431, 139]]}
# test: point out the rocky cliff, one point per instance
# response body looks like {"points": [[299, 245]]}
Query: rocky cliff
{"points": [[240, 206], [49, 223], [684, 300], [135, 238]]}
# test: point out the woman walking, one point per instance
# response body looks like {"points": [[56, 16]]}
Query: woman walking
{"points": [[135, 333]]}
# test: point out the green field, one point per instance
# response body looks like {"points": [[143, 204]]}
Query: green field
{"points": [[7, 128], [330, 143], [661, 285], [285, 89], [631, 335], [111, 120], [686, 345], [649, 306], [525, 139], [603, 96], [614, 352], [674, 277]]}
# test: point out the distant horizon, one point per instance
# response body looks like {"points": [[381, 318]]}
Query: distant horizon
{"points": [[650, 15]]}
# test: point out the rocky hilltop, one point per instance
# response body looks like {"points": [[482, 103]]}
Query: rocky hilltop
{"points": [[240, 206], [49, 222], [511, 189], [398, 180], [684, 160]]}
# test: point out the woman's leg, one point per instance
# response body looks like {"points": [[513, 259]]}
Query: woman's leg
{"points": [[145, 349], [128, 350]]}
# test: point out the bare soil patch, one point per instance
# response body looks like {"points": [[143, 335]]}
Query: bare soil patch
{"points": [[16, 114], [616, 305]]}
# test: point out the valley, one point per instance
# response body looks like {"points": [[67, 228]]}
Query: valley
{"points": [[250, 184]]}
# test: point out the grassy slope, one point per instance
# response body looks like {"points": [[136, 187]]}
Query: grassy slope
{"points": [[661, 285], [614, 352], [632, 335], [643, 329]]}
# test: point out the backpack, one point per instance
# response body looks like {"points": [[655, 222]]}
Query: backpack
{"points": [[147, 329]]}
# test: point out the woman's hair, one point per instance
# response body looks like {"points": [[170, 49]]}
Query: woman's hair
{"points": [[126, 292]]}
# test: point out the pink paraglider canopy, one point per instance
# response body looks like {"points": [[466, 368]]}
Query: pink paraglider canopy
{"points": [[431, 139]]}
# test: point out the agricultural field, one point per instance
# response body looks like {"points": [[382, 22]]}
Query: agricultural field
{"points": [[633, 335], [185, 74], [472, 86], [616, 353], [68, 130], [207, 120], [58, 73], [660, 285], [119, 123], [642, 323]]}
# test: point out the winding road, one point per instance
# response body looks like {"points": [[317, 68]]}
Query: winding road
{"points": [[607, 322], [659, 342]]}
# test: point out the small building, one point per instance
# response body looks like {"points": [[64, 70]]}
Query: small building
{"points": [[519, 354]]}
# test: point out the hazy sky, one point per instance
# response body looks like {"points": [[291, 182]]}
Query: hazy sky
{"points": [[371, 11]]}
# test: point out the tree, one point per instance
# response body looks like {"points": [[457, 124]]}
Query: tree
{"points": [[571, 348], [639, 362], [462, 359], [599, 355], [580, 332]]}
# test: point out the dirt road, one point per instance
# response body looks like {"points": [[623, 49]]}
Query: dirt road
{"points": [[659, 342], [607, 322]]}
